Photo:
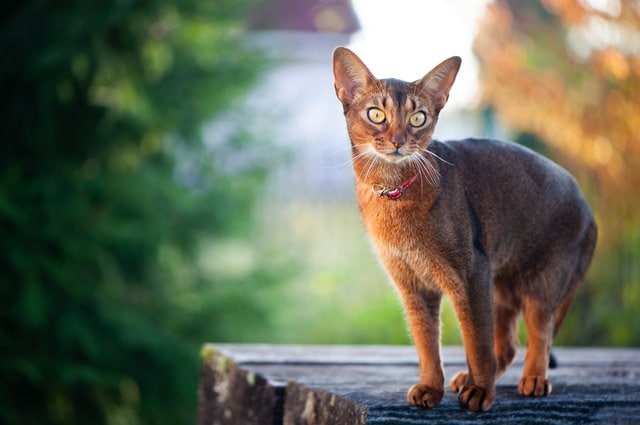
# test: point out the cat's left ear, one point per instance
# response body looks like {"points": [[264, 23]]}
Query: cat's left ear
{"points": [[437, 83], [350, 74]]}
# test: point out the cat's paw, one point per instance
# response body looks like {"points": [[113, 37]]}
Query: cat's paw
{"points": [[459, 381], [475, 398], [424, 396], [534, 386]]}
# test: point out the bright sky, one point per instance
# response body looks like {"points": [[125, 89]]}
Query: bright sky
{"points": [[406, 38]]}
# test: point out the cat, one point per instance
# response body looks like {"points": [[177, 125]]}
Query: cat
{"points": [[499, 229]]}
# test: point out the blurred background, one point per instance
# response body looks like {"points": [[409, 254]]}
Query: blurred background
{"points": [[178, 172]]}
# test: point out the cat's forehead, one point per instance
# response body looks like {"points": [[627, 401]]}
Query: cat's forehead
{"points": [[397, 93]]}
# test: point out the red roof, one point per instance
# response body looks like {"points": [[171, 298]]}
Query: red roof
{"points": [[327, 16]]}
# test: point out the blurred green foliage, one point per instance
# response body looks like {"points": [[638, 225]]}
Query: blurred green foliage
{"points": [[340, 293], [127, 241], [108, 202]]}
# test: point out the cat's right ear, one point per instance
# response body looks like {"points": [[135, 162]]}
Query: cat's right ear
{"points": [[350, 75], [437, 83]]}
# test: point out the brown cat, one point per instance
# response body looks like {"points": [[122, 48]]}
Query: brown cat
{"points": [[498, 228]]}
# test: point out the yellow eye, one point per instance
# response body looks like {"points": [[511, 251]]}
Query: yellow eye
{"points": [[418, 119], [376, 115]]}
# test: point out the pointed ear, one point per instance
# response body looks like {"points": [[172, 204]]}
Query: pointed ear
{"points": [[350, 74], [439, 80]]}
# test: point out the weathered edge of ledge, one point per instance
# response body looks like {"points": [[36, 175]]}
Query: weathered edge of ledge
{"points": [[274, 384], [230, 394]]}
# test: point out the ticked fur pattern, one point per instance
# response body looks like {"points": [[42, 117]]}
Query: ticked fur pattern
{"points": [[499, 229]]}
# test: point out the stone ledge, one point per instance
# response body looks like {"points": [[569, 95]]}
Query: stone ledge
{"points": [[296, 385]]}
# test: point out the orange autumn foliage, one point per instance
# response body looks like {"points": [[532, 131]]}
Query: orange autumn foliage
{"points": [[568, 71]]}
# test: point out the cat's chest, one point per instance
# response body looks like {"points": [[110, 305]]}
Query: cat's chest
{"points": [[406, 232], [397, 230]]}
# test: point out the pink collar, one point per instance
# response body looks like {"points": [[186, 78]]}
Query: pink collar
{"points": [[394, 192]]}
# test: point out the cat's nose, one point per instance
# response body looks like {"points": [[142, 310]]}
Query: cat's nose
{"points": [[398, 141]]}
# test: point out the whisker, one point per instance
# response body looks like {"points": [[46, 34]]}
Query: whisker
{"points": [[345, 164], [373, 162], [342, 166], [349, 147], [432, 175], [366, 168], [428, 170], [351, 159], [363, 156], [417, 166], [436, 156]]}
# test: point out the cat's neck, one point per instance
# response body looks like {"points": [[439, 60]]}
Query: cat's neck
{"points": [[394, 184]]}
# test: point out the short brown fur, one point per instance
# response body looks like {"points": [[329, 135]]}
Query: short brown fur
{"points": [[496, 227]]}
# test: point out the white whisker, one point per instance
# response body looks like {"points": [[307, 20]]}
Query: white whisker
{"points": [[373, 162], [349, 147], [416, 164], [344, 165], [350, 160], [436, 156], [427, 170]]}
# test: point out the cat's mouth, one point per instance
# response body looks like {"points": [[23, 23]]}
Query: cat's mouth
{"points": [[395, 155], [391, 155]]}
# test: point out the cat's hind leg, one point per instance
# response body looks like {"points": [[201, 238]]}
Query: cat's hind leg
{"points": [[587, 247], [507, 308], [506, 337], [547, 303], [539, 320]]}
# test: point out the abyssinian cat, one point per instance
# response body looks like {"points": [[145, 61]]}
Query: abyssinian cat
{"points": [[496, 227]]}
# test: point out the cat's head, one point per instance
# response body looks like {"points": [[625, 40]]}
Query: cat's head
{"points": [[390, 119]]}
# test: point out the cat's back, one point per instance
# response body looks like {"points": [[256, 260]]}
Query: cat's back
{"points": [[496, 152], [493, 165], [511, 190]]}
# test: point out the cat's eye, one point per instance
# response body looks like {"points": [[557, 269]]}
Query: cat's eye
{"points": [[376, 116], [418, 119]]}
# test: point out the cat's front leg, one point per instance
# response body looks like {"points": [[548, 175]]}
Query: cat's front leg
{"points": [[423, 312], [422, 307], [473, 304]]}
